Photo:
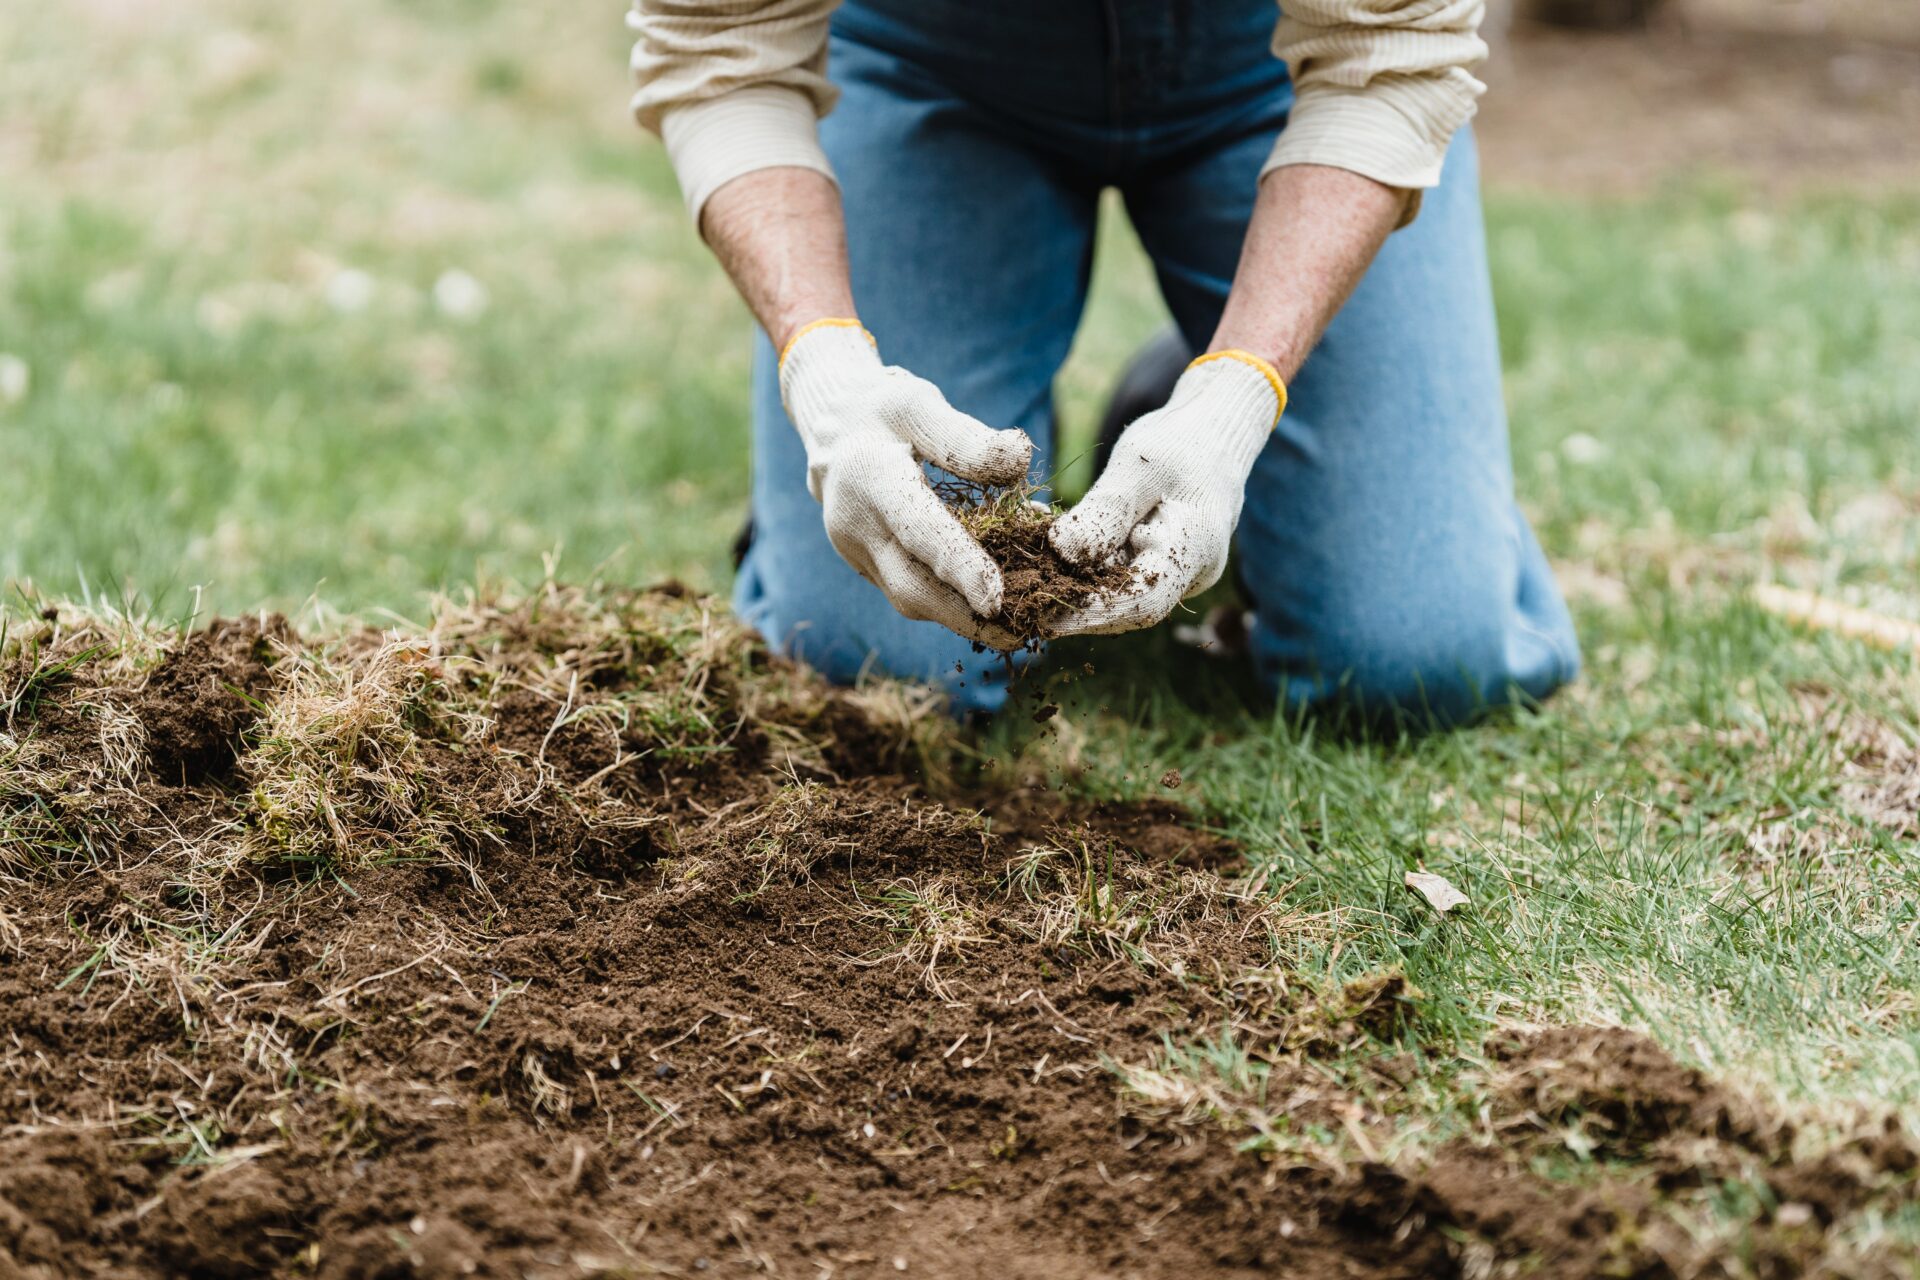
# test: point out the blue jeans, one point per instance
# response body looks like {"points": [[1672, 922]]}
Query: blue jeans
{"points": [[1386, 560]]}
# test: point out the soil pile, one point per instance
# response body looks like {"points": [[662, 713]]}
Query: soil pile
{"points": [[1666, 1136], [1040, 586], [575, 936]]}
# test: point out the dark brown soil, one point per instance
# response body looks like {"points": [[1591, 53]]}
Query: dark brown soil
{"points": [[594, 942], [201, 697], [1039, 586], [1623, 1089], [1156, 830]]}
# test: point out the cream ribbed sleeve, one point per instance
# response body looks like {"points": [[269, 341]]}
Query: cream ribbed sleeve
{"points": [[1380, 86], [738, 85], [732, 86]]}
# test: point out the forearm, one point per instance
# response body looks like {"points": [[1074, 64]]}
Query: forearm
{"points": [[782, 238], [1314, 232]]}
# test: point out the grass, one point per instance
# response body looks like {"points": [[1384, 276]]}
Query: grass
{"points": [[258, 375], [1694, 851]]}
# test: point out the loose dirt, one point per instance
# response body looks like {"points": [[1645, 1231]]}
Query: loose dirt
{"points": [[576, 936], [1039, 585]]}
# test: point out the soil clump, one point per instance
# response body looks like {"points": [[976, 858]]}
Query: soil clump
{"points": [[1039, 585], [577, 936], [203, 695]]}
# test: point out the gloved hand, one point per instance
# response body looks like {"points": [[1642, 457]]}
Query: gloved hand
{"points": [[867, 428], [1172, 491]]}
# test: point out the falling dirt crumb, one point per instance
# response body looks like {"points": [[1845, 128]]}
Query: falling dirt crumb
{"points": [[1046, 713], [1170, 779]]}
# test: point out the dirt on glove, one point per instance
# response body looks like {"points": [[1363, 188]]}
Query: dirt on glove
{"points": [[1040, 586]]}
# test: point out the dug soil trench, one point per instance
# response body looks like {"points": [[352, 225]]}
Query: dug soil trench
{"points": [[574, 936]]}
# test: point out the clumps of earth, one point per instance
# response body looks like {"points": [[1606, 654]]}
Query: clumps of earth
{"points": [[575, 935], [1040, 587]]}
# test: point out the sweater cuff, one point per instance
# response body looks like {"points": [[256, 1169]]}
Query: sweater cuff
{"points": [[1393, 133], [712, 142]]}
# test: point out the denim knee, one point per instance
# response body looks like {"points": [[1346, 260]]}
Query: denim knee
{"points": [[1439, 662]]}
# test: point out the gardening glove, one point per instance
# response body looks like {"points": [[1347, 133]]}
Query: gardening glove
{"points": [[867, 428], [1171, 492]]}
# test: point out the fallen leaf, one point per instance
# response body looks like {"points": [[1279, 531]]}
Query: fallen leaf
{"points": [[1437, 890]]}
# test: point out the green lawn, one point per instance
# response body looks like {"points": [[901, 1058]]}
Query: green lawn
{"points": [[251, 382]]}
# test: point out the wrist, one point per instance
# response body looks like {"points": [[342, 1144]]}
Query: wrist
{"points": [[790, 335], [1282, 350], [790, 321]]}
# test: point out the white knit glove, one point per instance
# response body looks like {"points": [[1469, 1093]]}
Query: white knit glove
{"points": [[867, 428], [1172, 491]]}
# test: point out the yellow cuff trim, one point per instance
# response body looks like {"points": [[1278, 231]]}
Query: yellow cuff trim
{"points": [[830, 322], [1267, 371]]}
